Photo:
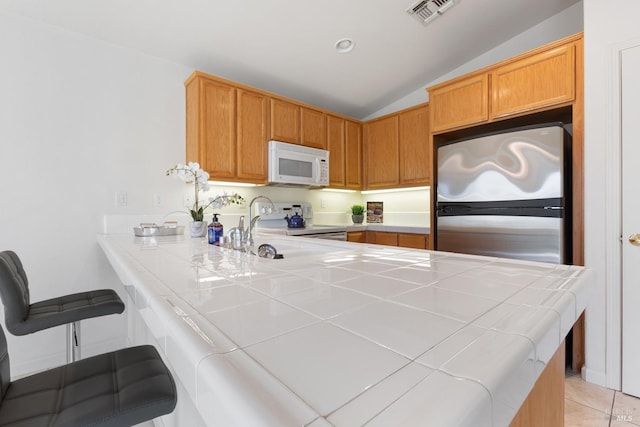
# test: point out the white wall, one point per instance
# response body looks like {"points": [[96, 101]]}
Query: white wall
{"points": [[605, 28], [561, 25], [79, 120]]}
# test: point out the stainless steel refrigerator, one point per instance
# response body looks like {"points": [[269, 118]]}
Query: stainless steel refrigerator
{"points": [[506, 194]]}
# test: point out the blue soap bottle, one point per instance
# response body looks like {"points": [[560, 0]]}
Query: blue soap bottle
{"points": [[214, 231]]}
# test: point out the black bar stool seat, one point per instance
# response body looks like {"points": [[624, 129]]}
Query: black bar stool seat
{"points": [[64, 310], [116, 389]]}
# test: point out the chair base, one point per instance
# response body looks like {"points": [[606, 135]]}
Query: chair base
{"points": [[73, 342]]}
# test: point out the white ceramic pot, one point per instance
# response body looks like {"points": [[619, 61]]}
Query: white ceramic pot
{"points": [[197, 228]]}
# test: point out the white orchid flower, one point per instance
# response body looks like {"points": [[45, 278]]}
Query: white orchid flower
{"points": [[192, 174]]}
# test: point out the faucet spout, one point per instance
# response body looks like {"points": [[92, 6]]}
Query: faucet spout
{"points": [[248, 234]]}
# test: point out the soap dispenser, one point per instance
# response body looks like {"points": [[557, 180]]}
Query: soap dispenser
{"points": [[215, 230]]}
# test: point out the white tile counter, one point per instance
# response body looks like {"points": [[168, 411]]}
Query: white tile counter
{"points": [[347, 334]]}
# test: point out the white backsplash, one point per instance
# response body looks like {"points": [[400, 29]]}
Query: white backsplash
{"points": [[402, 208]]}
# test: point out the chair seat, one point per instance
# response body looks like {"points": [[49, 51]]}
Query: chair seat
{"points": [[120, 388], [67, 309]]}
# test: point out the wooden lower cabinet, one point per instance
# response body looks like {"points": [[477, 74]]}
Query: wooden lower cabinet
{"points": [[383, 238], [405, 240], [410, 240], [544, 406], [357, 236]]}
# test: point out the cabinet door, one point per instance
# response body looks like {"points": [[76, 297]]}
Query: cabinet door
{"points": [[252, 131], [313, 128], [357, 236], [385, 238], [414, 146], [408, 240], [285, 121], [353, 161], [211, 130], [461, 103], [381, 148], [541, 80], [337, 154]]}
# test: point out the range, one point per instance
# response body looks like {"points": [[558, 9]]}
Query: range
{"points": [[277, 218]]}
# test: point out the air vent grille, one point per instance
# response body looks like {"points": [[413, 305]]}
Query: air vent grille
{"points": [[427, 10]]}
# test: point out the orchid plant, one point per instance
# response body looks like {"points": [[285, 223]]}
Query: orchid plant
{"points": [[192, 174]]}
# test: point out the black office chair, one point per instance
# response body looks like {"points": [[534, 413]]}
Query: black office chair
{"points": [[116, 389], [22, 317]]}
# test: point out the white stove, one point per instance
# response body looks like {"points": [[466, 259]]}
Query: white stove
{"points": [[272, 221]]}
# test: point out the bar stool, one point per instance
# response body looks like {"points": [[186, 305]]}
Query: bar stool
{"points": [[121, 388], [22, 317]]}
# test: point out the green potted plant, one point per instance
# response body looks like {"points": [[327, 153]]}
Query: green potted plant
{"points": [[357, 214]]}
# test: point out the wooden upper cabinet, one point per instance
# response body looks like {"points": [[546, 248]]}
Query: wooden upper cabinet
{"points": [[463, 102], [313, 128], [344, 142], [211, 126], [415, 158], [285, 121], [252, 136], [537, 80], [229, 126], [540, 80], [337, 151], [353, 155], [381, 152]]}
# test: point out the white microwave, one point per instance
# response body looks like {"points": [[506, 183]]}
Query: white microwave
{"points": [[291, 164]]}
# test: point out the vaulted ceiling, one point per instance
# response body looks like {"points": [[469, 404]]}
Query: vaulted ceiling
{"points": [[288, 46]]}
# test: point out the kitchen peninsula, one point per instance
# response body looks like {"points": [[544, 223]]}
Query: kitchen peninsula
{"points": [[346, 334]]}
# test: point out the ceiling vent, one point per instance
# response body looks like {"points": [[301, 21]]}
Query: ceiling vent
{"points": [[426, 11]]}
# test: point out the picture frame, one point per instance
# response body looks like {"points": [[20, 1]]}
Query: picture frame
{"points": [[375, 212]]}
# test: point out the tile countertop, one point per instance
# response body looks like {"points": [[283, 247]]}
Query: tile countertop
{"points": [[346, 334]]}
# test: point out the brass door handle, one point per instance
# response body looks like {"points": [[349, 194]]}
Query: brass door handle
{"points": [[634, 239]]}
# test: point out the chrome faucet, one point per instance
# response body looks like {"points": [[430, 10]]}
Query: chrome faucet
{"points": [[248, 234]]}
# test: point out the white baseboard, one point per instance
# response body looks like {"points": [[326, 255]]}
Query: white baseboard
{"points": [[594, 377]]}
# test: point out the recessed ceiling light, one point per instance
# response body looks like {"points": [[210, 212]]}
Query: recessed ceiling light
{"points": [[344, 45]]}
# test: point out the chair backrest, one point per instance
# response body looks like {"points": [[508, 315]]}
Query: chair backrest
{"points": [[14, 291]]}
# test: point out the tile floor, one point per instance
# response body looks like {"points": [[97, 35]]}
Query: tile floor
{"points": [[589, 405]]}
